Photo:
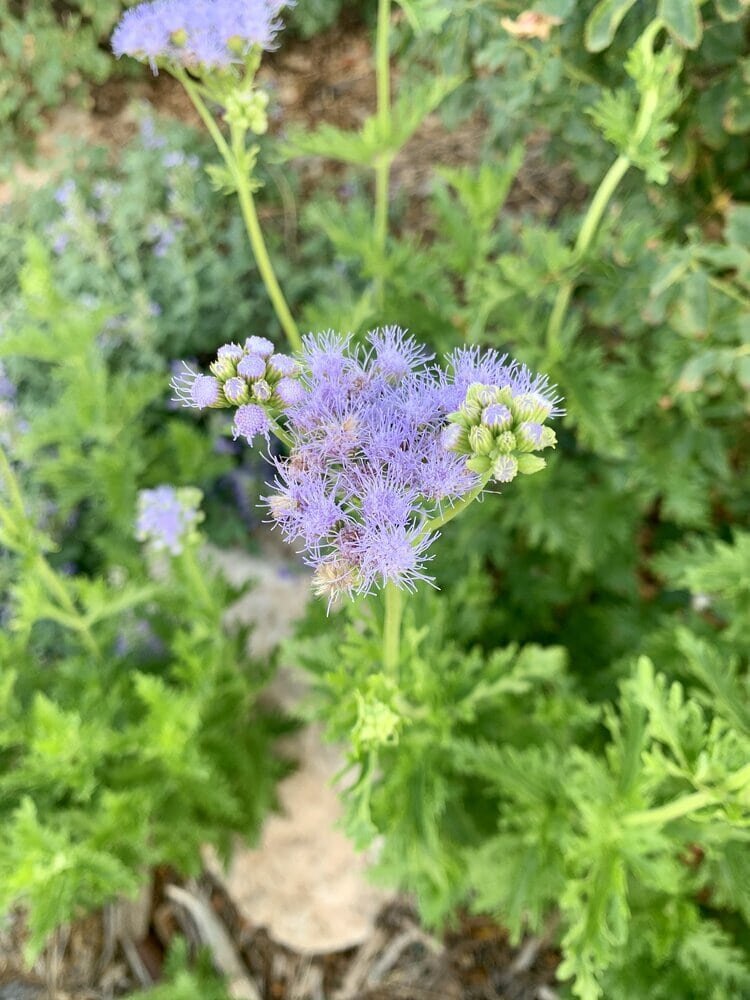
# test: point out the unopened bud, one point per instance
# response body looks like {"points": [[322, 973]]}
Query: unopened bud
{"points": [[236, 390], [479, 463], [497, 417], [532, 407], [262, 391], [455, 438], [481, 440], [505, 469], [505, 442]]}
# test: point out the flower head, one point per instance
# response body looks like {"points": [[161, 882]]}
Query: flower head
{"points": [[250, 421], [197, 33], [195, 390], [380, 443], [167, 517]]}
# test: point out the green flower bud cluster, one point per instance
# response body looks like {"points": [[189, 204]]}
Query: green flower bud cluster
{"points": [[254, 373], [499, 431], [247, 110]]}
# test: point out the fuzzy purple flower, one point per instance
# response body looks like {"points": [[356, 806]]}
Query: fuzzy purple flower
{"points": [[168, 517], [211, 34], [395, 354], [289, 391], [259, 345], [195, 390], [252, 366], [381, 444], [250, 421], [283, 365]]}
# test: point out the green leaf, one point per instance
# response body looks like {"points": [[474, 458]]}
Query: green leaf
{"points": [[731, 10], [425, 16], [738, 225], [683, 21], [363, 148], [603, 23]]}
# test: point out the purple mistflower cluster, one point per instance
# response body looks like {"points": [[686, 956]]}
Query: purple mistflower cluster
{"points": [[209, 33], [168, 517], [379, 443]]}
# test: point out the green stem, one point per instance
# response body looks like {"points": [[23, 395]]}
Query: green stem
{"points": [[437, 522], [241, 178], [384, 159], [193, 92], [196, 576], [587, 232], [597, 208], [671, 811], [247, 204], [394, 600], [280, 433]]}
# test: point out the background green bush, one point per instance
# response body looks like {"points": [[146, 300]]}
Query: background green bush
{"points": [[570, 727]]}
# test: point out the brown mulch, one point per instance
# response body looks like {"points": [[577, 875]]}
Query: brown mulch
{"points": [[330, 78], [114, 952]]}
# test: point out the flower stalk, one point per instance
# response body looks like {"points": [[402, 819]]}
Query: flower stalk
{"points": [[384, 159], [394, 606], [235, 158], [647, 110]]}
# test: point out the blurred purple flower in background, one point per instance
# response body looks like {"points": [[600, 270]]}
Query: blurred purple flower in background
{"points": [[208, 33], [167, 517]]}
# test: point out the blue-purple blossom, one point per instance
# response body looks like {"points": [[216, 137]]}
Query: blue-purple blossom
{"points": [[60, 243], [252, 366], [193, 389], [167, 517], [395, 354], [250, 421], [259, 345], [235, 390], [197, 33], [289, 391], [380, 444], [65, 192], [497, 417], [282, 364], [150, 137]]}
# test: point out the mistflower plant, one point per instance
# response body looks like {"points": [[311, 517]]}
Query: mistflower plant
{"points": [[384, 447], [214, 48]]}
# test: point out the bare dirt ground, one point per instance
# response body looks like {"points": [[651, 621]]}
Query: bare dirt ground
{"points": [[294, 918]]}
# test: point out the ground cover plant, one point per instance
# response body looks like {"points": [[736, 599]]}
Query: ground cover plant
{"points": [[544, 694]]}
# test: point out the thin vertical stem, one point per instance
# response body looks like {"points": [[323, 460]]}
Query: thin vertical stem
{"points": [[254, 231], [249, 213], [394, 600], [383, 161], [586, 234], [604, 193]]}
